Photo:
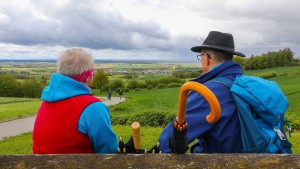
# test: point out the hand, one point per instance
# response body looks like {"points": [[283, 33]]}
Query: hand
{"points": [[129, 147], [179, 141], [154, 149]]}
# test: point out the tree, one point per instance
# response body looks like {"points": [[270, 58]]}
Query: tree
{"points": [[8, 86], [31, 88], [132, 84], [116, 84], [100, 79], [240, 60]]}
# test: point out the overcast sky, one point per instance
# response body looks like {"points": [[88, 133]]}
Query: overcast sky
{"points": [[144, 29]]}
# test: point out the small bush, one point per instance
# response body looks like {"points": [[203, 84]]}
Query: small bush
{"points": [[169, 118], [119, 120], [174, 85], [153, 119], [296, 73], [149, 87], [161, 86], [267, 75]]}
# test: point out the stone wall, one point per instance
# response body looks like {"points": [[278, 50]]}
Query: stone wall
{"points": [[231, 161]]}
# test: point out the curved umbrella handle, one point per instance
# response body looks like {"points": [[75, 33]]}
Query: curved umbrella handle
{"points": [[212, 100]]}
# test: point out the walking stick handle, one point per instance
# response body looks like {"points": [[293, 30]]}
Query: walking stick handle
{"points": [[136, 135]]}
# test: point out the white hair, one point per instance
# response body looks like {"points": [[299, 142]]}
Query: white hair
{"points": [[74, 61]]}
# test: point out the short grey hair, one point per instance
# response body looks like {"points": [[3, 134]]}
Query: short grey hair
{"points": [[74, 61], [219, 56]]}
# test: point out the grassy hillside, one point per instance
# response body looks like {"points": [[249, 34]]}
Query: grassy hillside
{"points": [[148, 102], [13, 108]]}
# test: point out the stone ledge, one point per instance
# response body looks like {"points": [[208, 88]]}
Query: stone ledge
{"points": [[231, 161]]}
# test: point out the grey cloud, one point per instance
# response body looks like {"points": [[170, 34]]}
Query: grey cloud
{"points": [[267, 25], [257, 26], [79, 24]]}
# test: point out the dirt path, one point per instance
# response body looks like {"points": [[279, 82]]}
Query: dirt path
{"points": [[20, 126]]}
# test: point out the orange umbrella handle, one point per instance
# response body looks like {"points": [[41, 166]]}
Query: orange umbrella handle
{"points": [[212, 100]]}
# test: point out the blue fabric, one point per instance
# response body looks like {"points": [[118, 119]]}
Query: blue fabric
{"points": [[221, 137], [95, 118], [261, 107]]}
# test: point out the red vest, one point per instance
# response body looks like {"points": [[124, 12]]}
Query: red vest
{"points": [[55, 129]]}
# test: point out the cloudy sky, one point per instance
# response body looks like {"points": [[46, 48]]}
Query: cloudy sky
{"points": [[144, 29]]}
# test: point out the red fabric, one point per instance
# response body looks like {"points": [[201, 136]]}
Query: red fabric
{"points": [[55, 129], [85, 76]]}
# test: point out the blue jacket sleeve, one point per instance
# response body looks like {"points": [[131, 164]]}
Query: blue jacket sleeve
{"points": [[95, 122], [196, 111]]}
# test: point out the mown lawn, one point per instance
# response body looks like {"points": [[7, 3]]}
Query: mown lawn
{"points": [[155, 100], [14, 108]]}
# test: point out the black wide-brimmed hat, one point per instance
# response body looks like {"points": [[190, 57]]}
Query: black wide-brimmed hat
{"points": [[218, 41]]}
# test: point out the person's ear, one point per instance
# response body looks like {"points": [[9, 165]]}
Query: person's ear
{"points": [[206, 60]]}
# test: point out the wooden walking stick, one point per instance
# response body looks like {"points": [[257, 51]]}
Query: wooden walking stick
{"points": [[136, 135], [212, 100]]}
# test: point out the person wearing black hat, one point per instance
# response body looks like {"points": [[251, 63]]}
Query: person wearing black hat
{"points": [[224, 136]]}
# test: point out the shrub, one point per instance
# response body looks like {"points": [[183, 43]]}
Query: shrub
{"points": [[31, 88], [153, 119], [149, 87], [296, 73], [267, 75], [132, 84], [119, 120], [174, 85], [161, 86], [169, 118]]}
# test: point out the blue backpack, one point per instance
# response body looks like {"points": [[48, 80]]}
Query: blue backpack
{"points": [[261, 106]]}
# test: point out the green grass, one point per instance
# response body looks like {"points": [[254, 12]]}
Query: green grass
{"points": [[155, 100], [18, 109], [22, 144], [162, 100], [6, 100], [17, 145]]}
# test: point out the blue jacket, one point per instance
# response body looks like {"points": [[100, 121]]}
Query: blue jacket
{"points": [[225, 135], [94, 120]]}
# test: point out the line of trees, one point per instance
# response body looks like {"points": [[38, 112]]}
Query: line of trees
{"points": [[186, 74], [102, 82], [273, 59], [10, 87]]}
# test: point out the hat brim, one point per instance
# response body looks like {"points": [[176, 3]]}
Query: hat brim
{"points": [[199, 49]]}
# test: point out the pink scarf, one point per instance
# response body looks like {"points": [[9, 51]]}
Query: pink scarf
{"points": [[85, 76]]}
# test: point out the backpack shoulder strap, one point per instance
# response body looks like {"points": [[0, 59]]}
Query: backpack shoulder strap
{"points": [[224, 80]]}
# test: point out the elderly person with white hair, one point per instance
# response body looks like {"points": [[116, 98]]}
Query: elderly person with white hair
{"points": [[70, 120]]}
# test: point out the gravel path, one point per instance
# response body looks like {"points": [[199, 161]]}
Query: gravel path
{"points": [[20, 126]]}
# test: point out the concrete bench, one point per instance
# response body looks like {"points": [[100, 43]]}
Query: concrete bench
{"points": [[231, 161]]}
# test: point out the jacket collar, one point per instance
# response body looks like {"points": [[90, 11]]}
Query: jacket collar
{"points": [[228, 68]]}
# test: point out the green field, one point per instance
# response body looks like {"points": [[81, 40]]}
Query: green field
{"points": [[145, 101], [14, 108]]}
